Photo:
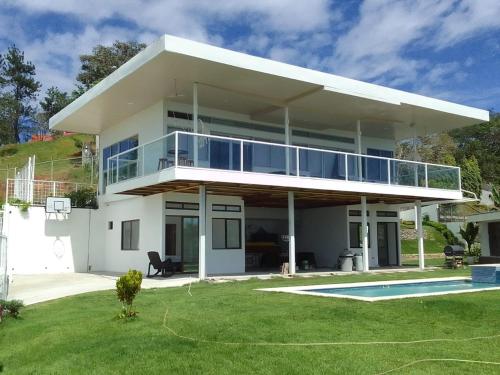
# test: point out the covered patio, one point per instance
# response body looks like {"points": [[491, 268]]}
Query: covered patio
{"points": [[291, 199]]}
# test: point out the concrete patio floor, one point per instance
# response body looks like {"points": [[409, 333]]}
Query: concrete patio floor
{"points": [[45, 287]]}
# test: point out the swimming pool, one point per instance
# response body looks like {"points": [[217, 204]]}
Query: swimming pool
{"points": [[385, 290]]}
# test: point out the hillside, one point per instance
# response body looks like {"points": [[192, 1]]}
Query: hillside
{"points": [[434, 241], [57, 160]]}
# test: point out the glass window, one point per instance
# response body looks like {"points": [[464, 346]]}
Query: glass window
{"points": [[226, 207], [130, 235], [114, 149], [226, 234], [181, 206], [358, 213], [387, 214], [219, 207], [355, 235]]}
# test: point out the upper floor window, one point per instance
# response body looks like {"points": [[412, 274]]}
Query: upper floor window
{"points": [[114, 149]]}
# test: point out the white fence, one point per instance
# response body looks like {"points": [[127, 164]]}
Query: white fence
{"points": [[4, 280], [36, 192]]}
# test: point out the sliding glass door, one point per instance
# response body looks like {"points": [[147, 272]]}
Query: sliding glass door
{"points": [[190, 244]]}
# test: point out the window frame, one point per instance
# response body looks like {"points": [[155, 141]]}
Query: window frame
{"points": [[359, 239], [226, 219], [131, 222]]}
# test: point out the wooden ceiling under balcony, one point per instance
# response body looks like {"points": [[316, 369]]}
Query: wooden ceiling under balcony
{"points": [[272, 196]]}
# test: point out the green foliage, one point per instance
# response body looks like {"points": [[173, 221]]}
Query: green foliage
{"points": [[53, 102], [103, 61], [495, 196], [450, 238], [483, 142], [23, 205], [12, 307], [436, 148], [469, 233], [127, 288], [471, 176], [474, 250], [18, 88], [426, 218], [83, 198]]}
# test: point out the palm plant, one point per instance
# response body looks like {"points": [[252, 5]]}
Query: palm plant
{"points": [[469, 234]]}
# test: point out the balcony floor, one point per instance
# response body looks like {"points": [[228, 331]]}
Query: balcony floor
{"points": [[272, 196]]}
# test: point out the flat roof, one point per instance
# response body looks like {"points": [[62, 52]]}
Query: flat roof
{"points": [[484, 217], [260, 88]]}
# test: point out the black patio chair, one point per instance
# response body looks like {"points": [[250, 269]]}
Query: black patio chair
{"points": [[166, 268]]}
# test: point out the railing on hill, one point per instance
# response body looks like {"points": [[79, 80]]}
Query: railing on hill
{"points": [[182, 149], [36, 192]]}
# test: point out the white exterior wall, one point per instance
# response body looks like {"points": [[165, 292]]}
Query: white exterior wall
{"points": [[50, 243], [431, 210], [151, 212], [323, 231]]}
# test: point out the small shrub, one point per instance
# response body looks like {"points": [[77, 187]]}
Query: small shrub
{"points": [[127, 288], [474, 250], [23, 205], [448, 235], [12, 307], [83, 198], [426, 219]]}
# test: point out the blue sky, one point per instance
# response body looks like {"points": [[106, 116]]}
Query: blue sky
{"points": [[449, 49]]}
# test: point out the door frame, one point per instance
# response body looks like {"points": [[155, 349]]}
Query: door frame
{"points": [[386, 233]]}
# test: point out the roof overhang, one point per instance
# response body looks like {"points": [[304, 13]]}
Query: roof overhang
{"points": [[258, 87]]}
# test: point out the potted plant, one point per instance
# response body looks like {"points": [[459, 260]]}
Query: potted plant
{"points": [[473, 253]]}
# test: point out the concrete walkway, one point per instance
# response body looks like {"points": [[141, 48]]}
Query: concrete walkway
{"points": [[45, 287]]}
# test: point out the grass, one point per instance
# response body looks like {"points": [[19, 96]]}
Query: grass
{"points": [[434, 242], [78, 335], [16, 155]]}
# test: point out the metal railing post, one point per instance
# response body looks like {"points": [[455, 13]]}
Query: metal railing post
{"points": [[241, 156], [426, 176], [176, 148], [389, 171], [297, 164], [346, 167], [53, 188]]}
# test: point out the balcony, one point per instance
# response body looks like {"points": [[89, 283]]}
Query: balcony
{"points": [[221, 155]]}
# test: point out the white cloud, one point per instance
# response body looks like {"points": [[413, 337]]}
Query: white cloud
{"points": [[377, 45]]}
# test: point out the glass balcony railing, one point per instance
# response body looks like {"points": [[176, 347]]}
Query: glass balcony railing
{"points": [[182, 149]]}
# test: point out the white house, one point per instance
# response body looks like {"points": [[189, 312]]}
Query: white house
{"points": [[489, 235], [228, 163]]}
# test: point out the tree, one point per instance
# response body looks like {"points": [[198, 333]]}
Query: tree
{"points": [[471, 176], [469, 233], [483, 142], [18, 88], [103, 61], [436, 148], [54, 101]]}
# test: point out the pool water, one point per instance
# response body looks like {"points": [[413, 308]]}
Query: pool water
{"points": [[389, 290]]}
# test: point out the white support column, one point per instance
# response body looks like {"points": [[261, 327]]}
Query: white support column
{"points": [[291, 233], [359, 149], [364, 235], [202, 221], [287, 140], [195, 123], [420, 235]]}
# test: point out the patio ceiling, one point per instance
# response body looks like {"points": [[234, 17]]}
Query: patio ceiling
{"points": [[259, 88], [272, 196]]}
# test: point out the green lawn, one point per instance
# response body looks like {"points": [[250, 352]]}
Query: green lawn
{"points": [[78, 335]]}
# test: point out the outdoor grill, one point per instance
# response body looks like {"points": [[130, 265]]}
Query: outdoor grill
{"points": [[454, 255], [454, 251]]}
